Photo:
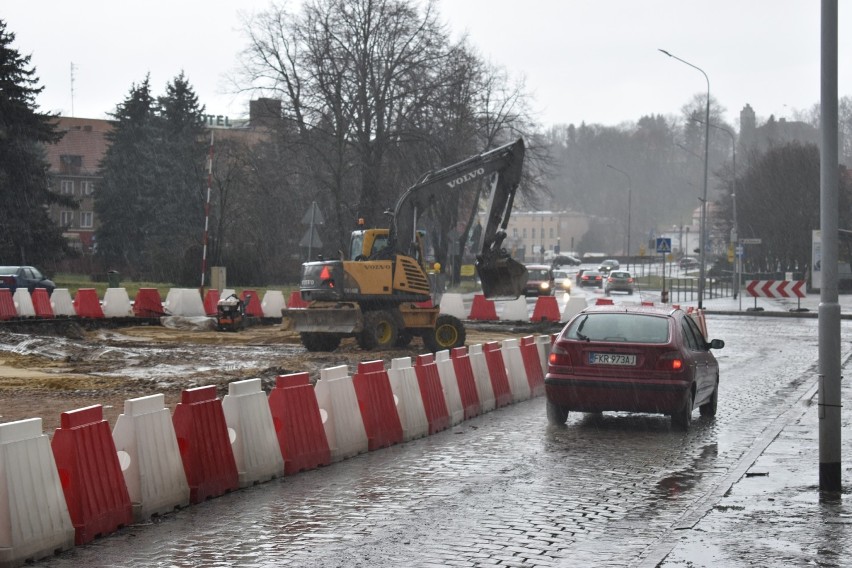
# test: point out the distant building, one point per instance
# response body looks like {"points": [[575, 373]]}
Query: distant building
{"points": [[773, 132], [531, 233]]}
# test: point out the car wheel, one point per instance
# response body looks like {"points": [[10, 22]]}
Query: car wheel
{"points": [[556, 414], [683, 417], [709, 408]]}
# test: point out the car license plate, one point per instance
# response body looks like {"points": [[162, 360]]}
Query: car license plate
{"points": [[612, 359]]}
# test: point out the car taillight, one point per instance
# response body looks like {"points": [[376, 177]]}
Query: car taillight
{"points": [[671, 361], [630, 281], [609, 279], [559, 357]]}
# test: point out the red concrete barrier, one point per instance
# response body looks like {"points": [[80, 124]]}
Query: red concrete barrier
{"points": [[148, 303], [211, 301], [296, 300], [298, 423], [604, 302], [434, 403], [7, 305], [41, 303], [204, 443], [532, 365], [647, 303], [546, 309], [87, 304], [91, 477], [466, 382], [253, 307], [377, 404], [483, 309], [497, 370]]}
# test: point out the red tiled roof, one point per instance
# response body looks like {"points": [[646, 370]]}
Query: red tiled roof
{"points": [[84, 137]]}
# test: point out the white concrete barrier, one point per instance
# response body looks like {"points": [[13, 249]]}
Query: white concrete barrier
{"points": [[116, 303], [341, 415], [453, 305], [62, 303], [34, 518], [23, 303], [149, 456], [573, 306], [272, 304], [409, 400], [514, 362], [515, 310], [185, 302], [252, 432], [450, 385], [484, 389]]}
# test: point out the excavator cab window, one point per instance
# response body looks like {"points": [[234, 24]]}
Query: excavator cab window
{"points": [[356, 245]]}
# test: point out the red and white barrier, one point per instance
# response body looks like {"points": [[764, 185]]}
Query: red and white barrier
{"points": [[515, 371], [148, 303], [272, 304], [117, 303], [452, 305], [515, 310], [252, 303], [7, 305], [479, 365], [377, 404], [149, 456], [298, 424], [61, 303], [91, 476], [344, 427], [23, 303], [466, 382], [41, 303], [34, 518], [544, 344], [497, 373], [450, 386], [482, 309], [211, 301], [546, 309], [532, 365], [434, 401], [409, 402], [204, 443], [253, 440], [776, 288], [87, 304]]}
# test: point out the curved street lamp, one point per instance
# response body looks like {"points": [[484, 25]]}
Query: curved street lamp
{"points": [[703, 228], [629, 207]]}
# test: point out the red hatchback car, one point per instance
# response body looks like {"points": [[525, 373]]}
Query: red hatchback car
{"points": [[634, 359]]}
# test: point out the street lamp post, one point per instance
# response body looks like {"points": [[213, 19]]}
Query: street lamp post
{"points": [[703, 227], [629, 207]]}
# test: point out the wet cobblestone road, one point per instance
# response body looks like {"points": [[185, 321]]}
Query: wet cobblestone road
{"points": [[504, 489]]}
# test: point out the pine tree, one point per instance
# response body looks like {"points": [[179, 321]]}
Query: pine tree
{"points": [[28, 234]]}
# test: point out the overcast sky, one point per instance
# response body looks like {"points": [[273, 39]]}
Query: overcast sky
{"points": [[582, 60]]}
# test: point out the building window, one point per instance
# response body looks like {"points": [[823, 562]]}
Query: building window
{"points": [[515, 232], [86, 219], [533, 233], [66, 218], [70, 164], [552, 233], [87, 187], [66, 187], [524, 234]]}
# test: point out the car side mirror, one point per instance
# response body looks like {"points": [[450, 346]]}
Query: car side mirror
{"points": [[716, 344]]}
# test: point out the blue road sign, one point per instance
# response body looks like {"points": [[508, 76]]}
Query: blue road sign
{"points": [[664, 245]]}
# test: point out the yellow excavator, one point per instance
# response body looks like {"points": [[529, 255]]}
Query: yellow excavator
{"points": [[380, 291]]}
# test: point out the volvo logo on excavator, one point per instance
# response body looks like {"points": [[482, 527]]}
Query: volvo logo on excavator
{"points": [[466, 177]]}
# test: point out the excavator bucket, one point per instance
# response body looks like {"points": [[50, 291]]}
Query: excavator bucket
{"points": [[501, 277]]}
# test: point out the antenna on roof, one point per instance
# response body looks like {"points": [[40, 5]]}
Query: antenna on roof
{"points": [[72, 88]]}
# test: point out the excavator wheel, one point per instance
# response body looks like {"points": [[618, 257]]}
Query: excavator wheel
{"points": [[448, 334], [320, 341], [380, 331]]}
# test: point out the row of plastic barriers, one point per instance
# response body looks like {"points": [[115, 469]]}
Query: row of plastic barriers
{"points": [[482, 309], [116, 303], [88, 482]]}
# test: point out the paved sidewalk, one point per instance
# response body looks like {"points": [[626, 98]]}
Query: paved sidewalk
{"points": [[771, 513]]}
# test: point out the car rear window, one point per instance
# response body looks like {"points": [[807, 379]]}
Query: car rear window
{"points": [[625, 327]]}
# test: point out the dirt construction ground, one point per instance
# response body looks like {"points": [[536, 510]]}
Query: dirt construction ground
{"points": [[46, 370]]}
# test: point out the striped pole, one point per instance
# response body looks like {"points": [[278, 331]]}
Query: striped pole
{"points": [[207, 213]]}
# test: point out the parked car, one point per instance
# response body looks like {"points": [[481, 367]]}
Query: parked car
{"points": [[687, 262], [29, 277], [591, 278], [619, 281], [562, 281], [609, 265], [540, 280], [565, 260], [633, 359]]}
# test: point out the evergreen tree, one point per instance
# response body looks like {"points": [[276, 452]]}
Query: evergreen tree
{"points": [[28, 235]]}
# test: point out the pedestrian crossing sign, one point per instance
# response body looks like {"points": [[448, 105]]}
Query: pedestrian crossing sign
{"points": [[664, 245]]}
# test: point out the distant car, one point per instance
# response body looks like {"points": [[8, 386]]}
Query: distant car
{"points": [[29, 277], [540, 281], [591, 278], [609, 265], [634, 359], [687, 262], [619, 281], [565, 260], [562, 281]]}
